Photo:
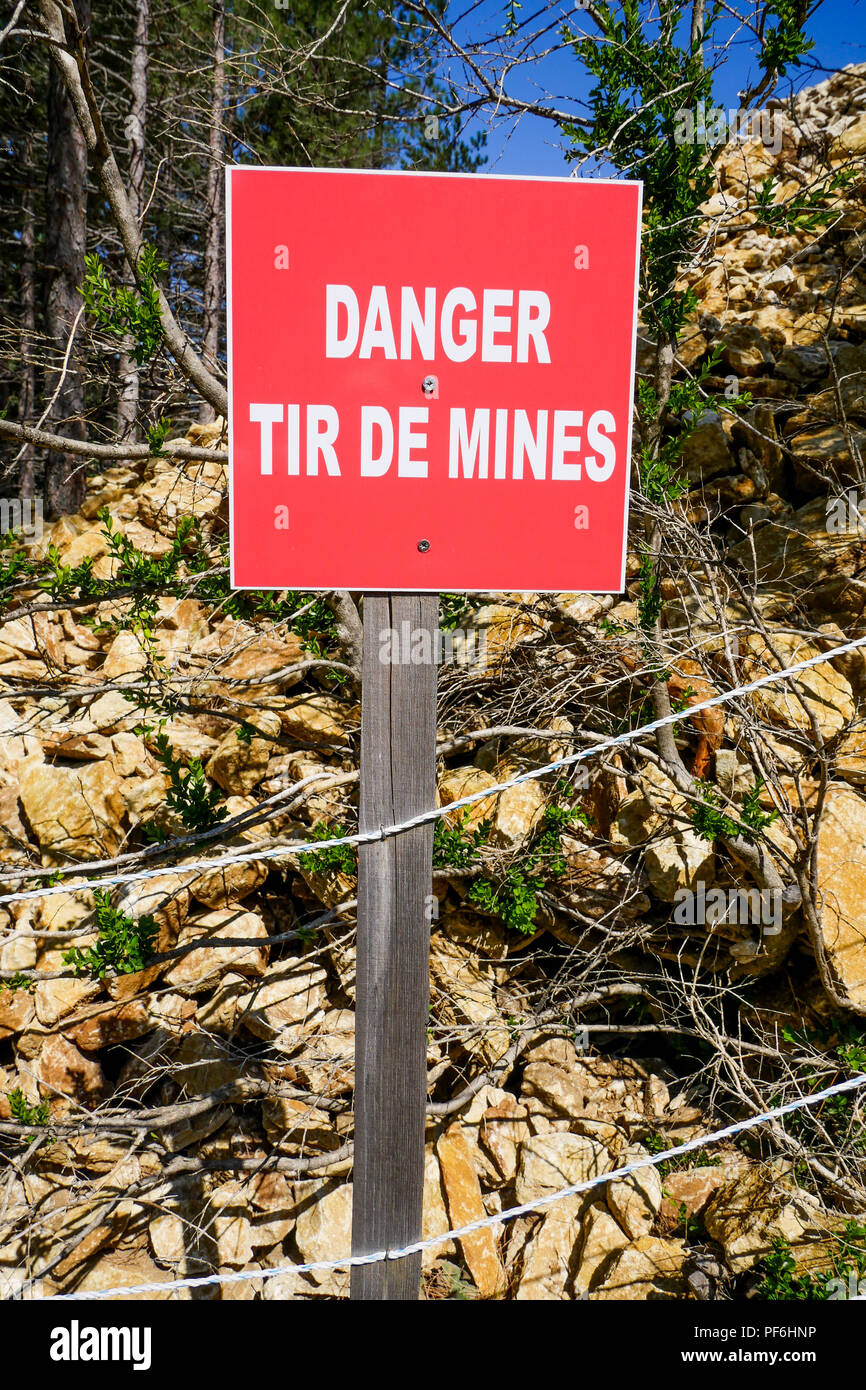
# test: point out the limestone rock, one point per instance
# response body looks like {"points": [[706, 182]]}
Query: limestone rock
{"points": [[852, 140], [643, 811], [271, 1192], [826, 692], [323, 1231], [602, 1237], [326, 1064], [434, 1212], [193, 489], [239, 764], [549, 1254], [826, 451], [651, 1268], [790, 549], [201, 968], [290, 998], [283, 1287], [458, 782], [557, 1088], [165, 898], [681, 860], [635, 1200], [222, 1012], [298, 1126], [125, 657], [601, 886], [234, 1247], [501, 1131], [167, 1235], [752, 1209], [504, 627], [74, 814], [200, 1064], [107, 1024], [329, 885], [246, 664], [316, 719], [62, 1068], [465, 1204], [518, 812], [16, 1011], [187, 739], [54, 999], [264, 1235], [15, 747], [692, 1189], [126, 1268], [842, 889], [707, 451], [746, 351], [463, 993], [231, 883], [15, 843], [486, 936], [549, 1162]]}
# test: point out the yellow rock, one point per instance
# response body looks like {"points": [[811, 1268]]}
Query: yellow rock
{"points": [[74, 814], [463, 993], [458, 782], [826, 692], [465, 1204], [290, 998], [852, 140], [202, 967], [649, 1268], [842, 888], [62, 1068], [314, 718], [239, 764], [602, 1237]]}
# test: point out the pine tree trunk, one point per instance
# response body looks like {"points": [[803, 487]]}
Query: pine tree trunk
{"points": [[27, 393], [136, 127], [215, 205], [65, 235]]}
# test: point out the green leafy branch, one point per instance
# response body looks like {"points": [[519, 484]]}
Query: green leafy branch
{"points": [[122, 311], [26, 1114], [513, 897], [123, 946], [710, 822], [190, 795], [782, 1282], [806, 211], [340, 858]]}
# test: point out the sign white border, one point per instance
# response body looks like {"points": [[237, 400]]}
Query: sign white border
{"points": [[420, 174]]}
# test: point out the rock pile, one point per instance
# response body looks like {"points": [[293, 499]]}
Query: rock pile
{"points": [[198, 1106]]}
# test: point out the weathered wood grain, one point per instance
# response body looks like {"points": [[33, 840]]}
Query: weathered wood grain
{"points": [[398, 779]]}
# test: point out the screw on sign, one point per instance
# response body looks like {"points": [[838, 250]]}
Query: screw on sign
{"points": [[430, 388]]}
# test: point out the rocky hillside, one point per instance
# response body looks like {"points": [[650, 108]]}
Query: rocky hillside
{"points": [[176, 1052]]}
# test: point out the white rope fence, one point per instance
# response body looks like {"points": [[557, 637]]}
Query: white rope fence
{"points": [[525, 1209], [292, 849], [365, 837]]}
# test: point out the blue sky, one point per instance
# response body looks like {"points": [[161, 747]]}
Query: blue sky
{"points": [[532, 145]]}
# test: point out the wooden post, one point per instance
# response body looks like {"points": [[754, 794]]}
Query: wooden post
{"points": [[398, 780]]}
